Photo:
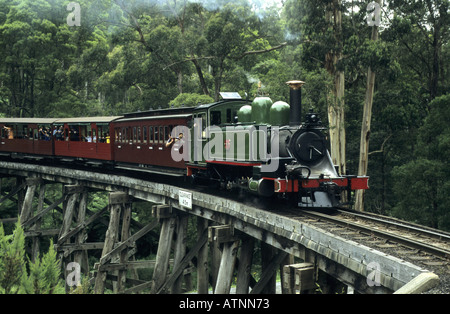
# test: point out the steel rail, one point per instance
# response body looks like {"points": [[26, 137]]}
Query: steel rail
{"points": [[405, 225], [440, 252]]}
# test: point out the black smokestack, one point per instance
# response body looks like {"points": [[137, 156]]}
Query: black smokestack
{"points": [[295, 102]]}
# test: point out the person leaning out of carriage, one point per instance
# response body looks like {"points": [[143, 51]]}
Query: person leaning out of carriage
{"points": [[172, 140]]}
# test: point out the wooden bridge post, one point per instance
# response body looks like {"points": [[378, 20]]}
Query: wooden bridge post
{"points": [[71, 194], [20, 184], [180, 248], [216, 255], [81, 256], [164, 212], [224, 236], [245, 265], [26, 212], [116, 200], [202, 258], [126, 220], [37, 225], [27, 205], [287, 261], [267, 254], [298, 277]]}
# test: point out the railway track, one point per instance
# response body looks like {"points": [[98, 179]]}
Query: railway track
{"points": [[420, 244]]}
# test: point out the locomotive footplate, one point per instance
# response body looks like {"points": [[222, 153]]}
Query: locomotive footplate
{"points": [[319, 192], [292, 185]]}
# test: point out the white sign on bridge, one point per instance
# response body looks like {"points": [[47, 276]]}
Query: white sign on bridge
{"points": [[185, 199]]}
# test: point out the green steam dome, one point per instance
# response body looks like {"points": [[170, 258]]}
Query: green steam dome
{"points": [[279, 113], [245, 114], [261, 109]]}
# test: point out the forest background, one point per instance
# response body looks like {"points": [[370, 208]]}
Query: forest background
{"points": [[108, 57]]}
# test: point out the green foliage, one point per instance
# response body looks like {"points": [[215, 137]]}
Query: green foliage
{"points": [[129, 55], [422, 185], [43, 275], [83, 288], [190, 100], [12, 260]]}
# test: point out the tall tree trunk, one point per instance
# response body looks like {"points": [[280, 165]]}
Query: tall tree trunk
{"points": [[200, 76], [365, 127], [217, 74], [336, 112], [179, 81], [435, 66]]}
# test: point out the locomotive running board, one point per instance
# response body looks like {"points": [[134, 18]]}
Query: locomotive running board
{"points": [[154, 171]]}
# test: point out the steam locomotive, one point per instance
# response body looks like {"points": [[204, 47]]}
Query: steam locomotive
{"points": [[259, 146], [268, 150]]}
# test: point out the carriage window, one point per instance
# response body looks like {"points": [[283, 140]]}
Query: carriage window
{"points": [[152, 135], [84, 133], [139, 135], [8, 132], [99, 134], [102, 134], [21, 131], [74, 133], [144, 129], [95, 134], [161, 134]]}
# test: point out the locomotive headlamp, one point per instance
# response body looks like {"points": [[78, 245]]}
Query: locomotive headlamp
{"points": [[312, 119]]}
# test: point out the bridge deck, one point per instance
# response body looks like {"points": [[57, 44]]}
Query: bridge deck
{"points": [[346, 260]]}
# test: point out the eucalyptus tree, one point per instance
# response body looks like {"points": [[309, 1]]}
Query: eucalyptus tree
{"points": [[422, 185], [421, 29], [321, 26]]}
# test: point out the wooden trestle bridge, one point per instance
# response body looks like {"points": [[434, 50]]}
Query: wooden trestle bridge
{"points": [[227, 232]]}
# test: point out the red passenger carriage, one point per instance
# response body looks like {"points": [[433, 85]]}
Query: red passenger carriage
{"points": [[86, 138], [140, 139], [26, 136]]}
